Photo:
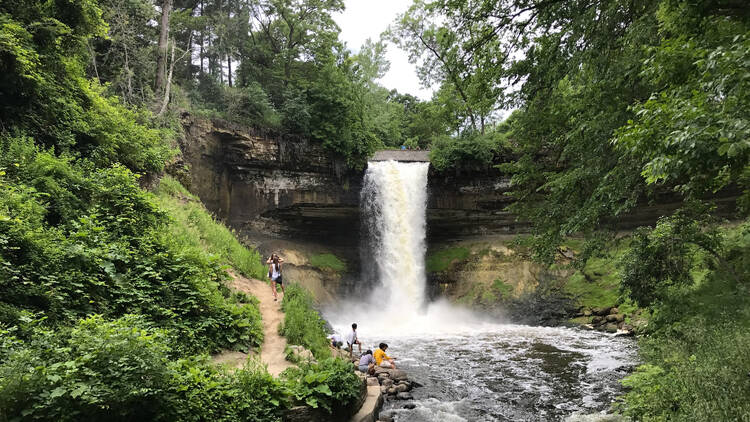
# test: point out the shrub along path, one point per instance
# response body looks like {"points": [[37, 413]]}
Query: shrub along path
{"points": [[272, 350]]}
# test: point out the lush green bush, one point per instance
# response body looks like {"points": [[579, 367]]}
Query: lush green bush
{"points": [[114, 370], [195, 226], [328, 261], [302, 323], [76, 239], [330, 384], [695, 351], [97, 370]]}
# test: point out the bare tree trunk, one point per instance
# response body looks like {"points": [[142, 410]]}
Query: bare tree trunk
{"points": [[161, 63], [93, 61], [229, 67], [169, 84], [202, 40], [128, 73]]}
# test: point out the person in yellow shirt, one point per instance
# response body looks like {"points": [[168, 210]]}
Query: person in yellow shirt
{"points": [[383, 360]]}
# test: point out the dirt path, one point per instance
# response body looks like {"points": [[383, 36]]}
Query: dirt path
{"points": [[272, 350]]}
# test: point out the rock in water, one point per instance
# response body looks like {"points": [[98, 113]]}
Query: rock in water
{"points": [[410, 406], [404, 396]]}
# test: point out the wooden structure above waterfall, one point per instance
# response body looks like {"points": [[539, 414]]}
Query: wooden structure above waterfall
{"points": [[402, 155]]}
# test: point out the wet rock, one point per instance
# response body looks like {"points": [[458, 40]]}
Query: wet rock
{"points": [[387, 382], [385, 417], [404, 396], [415, 384], [392, 390], [372, 381], [588, 326], [610, 328], [401, 388], [383, 389], [616, 318], [398, 375], [384, 376], [406, 383], [410, 406], [624, 333]]}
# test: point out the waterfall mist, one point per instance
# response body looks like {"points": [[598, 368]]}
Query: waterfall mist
{"points": [[391, 298]]}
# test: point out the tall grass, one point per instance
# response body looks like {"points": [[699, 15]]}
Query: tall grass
{"points": [[302, 323], [197, 226]]}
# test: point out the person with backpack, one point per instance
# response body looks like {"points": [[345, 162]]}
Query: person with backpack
{"points": [[274, 273]]}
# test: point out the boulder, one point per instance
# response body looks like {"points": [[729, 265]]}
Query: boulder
{"points": [[372, 381], [404, 396], [406, 383], [410, 406], [616, 318], [610, 328], [385, 417], [387, 382], [398, 375], [384, 376], [383, 389], [402, 388], [392, 390], [601, 311], [597, 320], [614, 311], [300, 354], [588, 326], [587, 313]]}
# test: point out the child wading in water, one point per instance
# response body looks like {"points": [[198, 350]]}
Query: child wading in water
{"points": [[274, 273]]}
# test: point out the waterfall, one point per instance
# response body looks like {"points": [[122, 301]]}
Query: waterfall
{"points": [[393, 203]]}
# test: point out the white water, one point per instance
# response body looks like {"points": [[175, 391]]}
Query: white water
{"points": [[471, 367], [395, 199]]}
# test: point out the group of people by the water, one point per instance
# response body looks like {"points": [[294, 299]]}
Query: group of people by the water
{"points": [[367, 360]]}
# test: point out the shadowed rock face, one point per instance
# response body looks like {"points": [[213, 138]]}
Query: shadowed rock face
{"points": [[264, 184], [267, 185]]}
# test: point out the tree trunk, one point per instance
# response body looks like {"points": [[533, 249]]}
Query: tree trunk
{"points": [[161, 63], [229, 69], [202, 40], [169, 84]]}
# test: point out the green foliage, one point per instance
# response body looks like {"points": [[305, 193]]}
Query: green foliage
{"points": [[501, 289], [97, 370], [328, 261], [664, 257], [77, 240], [471, 149], [442, 260], [115, 370], [46, 96], [696, 348], [330, 384], [302, 323], [195, 226]]}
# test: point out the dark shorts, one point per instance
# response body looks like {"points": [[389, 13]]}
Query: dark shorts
{"points": [[278, 280]]}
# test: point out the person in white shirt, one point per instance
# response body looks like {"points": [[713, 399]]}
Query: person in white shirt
{"points": [[336, 340], [352, 339]]}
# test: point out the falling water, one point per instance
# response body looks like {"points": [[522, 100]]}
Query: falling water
{"points": [[394, 199], [471, 368]]}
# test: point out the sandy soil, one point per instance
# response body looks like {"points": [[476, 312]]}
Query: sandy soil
{"points": [[272, 350]]}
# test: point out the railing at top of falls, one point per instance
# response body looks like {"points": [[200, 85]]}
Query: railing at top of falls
{"points": [[402, 155]]}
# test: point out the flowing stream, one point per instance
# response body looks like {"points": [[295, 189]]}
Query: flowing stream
{"points": [[471, 368]]}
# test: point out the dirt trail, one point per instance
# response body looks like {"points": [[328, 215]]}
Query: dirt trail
{"points": [[272, 350]]}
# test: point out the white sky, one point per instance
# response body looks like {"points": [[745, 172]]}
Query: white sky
{"points": [[364, 19]]}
